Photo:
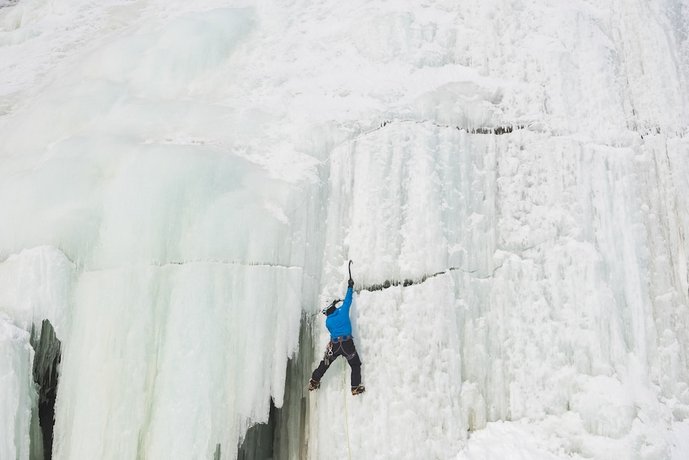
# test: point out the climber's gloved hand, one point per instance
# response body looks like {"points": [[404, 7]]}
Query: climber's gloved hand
{"points": [[350, 283]]}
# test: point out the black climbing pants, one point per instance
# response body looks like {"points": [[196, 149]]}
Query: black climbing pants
{"points": [[344, 348]]}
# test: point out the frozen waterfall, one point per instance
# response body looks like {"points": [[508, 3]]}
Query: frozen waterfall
{"points": [[183, 183]]}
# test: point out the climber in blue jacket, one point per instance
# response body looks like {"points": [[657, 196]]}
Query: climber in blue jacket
{"points": [[341, 342]]}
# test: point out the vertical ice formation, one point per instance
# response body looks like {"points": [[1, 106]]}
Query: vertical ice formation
{"points": [[564, 301], [18, 395], [551, 308], [168, 254], [182, 179], [35, 285], [204, 347]]}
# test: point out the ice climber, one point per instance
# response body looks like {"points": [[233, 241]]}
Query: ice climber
{"points": [[341, 342]]}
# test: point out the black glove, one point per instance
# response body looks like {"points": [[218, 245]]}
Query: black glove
{"points": [[350, 283]]}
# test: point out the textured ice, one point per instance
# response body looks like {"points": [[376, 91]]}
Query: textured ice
{"points": [[18, 396], [181, 181]]}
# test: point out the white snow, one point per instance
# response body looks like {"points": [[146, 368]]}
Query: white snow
{"points": [[181, 181]]}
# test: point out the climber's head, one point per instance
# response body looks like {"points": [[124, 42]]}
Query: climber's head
{"points": [[330, 309]]}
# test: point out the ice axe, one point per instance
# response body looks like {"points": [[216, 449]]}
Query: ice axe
{"points": [[336, 301]]}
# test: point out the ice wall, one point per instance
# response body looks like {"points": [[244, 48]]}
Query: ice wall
{"points": [[181, 181], [545, 308], [167, 252], [561, 294], [18, 394]]}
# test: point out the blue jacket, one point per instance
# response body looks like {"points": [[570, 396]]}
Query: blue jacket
{"points": [[338, 322]]}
